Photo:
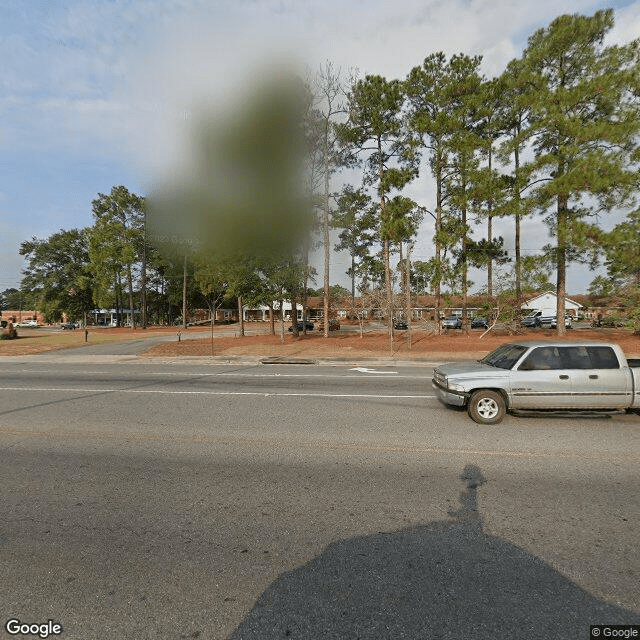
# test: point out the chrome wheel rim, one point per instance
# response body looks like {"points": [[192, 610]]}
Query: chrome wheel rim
{"points": [[487, 408]]}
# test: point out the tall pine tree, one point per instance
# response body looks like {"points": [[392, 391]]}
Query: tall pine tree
{"points": [[585, 123]]}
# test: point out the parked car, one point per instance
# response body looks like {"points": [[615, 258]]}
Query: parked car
{"points": [[452, 322], [28, 323], [568, 322], [301, 326], [539, 375], [334, 325], [69, 325], [400, 325], [532, 320], [479, 323]]}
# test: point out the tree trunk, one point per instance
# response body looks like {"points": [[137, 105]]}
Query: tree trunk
{"points": [[184, 293], [294, 316], [130, 286], [353, 279], [385, 254], [281, 320], [325, 225], [272, 319], [241, 315], [438, 243], [143, 281], [407, 291], [561, 261], [304, 292], [465, 266], [490, 230], [516, 158], [118, 299], [389, 292]]}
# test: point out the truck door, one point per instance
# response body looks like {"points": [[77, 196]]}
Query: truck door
{"points": [[598, 381], [542, 382]]}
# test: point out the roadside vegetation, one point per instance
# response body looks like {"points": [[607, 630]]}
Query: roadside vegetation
{"points": [[554, 137]]}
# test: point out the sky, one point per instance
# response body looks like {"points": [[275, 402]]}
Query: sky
{"points": [[98, 93]]}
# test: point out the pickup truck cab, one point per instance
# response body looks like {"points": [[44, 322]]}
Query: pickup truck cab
{"points": [[541, 375]]}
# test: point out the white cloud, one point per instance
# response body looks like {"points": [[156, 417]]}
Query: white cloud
{"points": [[154, 59], [627, 24], [11, 235]]}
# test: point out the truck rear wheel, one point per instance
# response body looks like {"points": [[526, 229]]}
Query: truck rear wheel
{"points": [[486, 407]]}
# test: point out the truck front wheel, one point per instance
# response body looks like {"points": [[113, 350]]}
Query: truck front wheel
{"points": [[486, 407]]}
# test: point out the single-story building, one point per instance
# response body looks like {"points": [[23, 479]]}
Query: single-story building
{"points": [[109, 317], [262, 312], [21, 315], [547, 303]]}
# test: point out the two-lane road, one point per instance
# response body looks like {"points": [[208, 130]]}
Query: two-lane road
{"points": [[146, 500]]}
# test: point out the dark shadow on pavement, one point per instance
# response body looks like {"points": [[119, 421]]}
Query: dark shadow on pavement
{"points": [[442, 580]]}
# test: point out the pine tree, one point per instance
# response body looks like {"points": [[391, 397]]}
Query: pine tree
{"points": [[585, 123], [463, 148], [376, 137], [427, 89]]}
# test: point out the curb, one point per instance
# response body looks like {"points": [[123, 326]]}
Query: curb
{"points": [[252, 360]]}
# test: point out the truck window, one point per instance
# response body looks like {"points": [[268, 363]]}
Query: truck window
{"points": [[603, 358], [542, 358], [575, 358], [505, 356]]}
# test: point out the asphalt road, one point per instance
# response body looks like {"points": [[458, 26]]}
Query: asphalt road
{"points": [[146, 500]]}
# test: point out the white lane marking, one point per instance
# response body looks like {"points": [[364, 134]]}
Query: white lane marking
{"points": [[208, 393], [365, 370]]}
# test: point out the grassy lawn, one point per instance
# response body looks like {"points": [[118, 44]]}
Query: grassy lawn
{"points": [[32, 341]]}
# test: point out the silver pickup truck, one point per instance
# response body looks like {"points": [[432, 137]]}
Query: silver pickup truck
{"points": [[541, 375]]}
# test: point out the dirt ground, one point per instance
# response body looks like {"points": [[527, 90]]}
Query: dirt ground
{"points": [[340, 344], [347, 345]]}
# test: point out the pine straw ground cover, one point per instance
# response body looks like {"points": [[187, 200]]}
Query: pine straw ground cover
{"points": [[424, 346], [340, 344]]}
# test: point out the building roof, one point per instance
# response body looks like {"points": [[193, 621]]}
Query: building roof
{"points": [[568, 302]]}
